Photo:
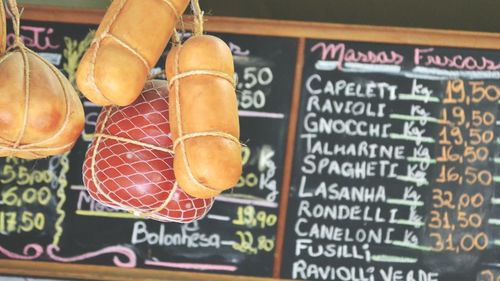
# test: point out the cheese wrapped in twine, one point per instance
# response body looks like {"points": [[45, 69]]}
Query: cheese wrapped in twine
{"points": [[129, 164], [203, 113], [128, 43], [40, 112]]}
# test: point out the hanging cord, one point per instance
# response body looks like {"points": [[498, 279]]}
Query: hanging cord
{"points": [[176, 38], [15, 15], [3, 29], [198, 17]]}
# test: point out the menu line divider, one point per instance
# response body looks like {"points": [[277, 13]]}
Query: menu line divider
{"points": [[289, 153]]}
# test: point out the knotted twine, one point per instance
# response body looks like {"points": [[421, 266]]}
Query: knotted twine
{"points": [[175, 83], [15, 146]]}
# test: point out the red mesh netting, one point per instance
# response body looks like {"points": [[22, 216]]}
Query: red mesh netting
{"points": [[129, 164]]}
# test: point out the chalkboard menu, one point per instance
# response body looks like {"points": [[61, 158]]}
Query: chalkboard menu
{"points": [[362, 162], [46, 213], [395, 165]]}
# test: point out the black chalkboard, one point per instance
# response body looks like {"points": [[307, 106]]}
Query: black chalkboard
{"points": [[395, 165], [237, 237], [393, 174]]}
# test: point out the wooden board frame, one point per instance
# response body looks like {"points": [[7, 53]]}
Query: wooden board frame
{"points": [[296, 29], [299, 30]]}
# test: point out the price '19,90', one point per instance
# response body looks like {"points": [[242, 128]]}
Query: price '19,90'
{"points": [[249, 217]]}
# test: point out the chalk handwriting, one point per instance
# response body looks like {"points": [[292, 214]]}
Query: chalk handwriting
{"points": [[343, 54], [38, 38]]}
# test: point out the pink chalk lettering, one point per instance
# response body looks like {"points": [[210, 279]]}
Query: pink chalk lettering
{"points": [[343, 54], [417, 54], [236, 50], [428, 58], [35, 249], [128, 253], [38, 38]]}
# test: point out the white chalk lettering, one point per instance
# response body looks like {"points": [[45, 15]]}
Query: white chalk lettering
{"points": [[334, 192], [190, 238], [313, 164], [315, 85], [350, 127]]}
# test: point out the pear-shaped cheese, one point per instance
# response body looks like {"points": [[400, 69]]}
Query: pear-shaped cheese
{"points": [[40, 112]]}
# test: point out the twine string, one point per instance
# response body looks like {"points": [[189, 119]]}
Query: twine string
{"points": [[205, 134], [138, 143], [219, 74], [198, 17], [13, 10], [15, 16], [128, 48], [176, 38]]}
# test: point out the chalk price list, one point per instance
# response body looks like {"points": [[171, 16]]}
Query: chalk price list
{"points": [[254, 224], [252, 84], [260, 172], [23, 195], [247, 241], [239, 233], [241, 227], [466, 134]]}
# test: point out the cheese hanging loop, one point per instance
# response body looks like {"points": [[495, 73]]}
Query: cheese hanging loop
{"points": [[198, 17], [15, 15]]}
